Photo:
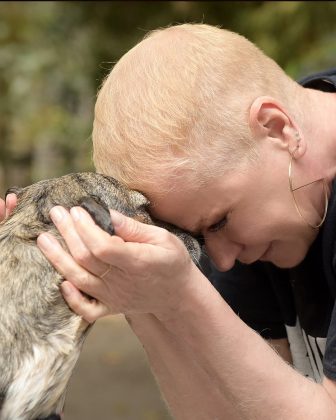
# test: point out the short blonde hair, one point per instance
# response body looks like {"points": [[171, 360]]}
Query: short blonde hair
{"points": [[177, 103]]}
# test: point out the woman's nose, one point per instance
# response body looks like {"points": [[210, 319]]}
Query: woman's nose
{"points": [[222, 251]]}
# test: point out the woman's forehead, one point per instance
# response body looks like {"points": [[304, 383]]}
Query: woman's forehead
{"points": [[191, 207]]}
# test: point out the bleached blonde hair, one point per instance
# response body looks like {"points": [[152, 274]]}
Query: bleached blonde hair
{"points": [[176, 105]]}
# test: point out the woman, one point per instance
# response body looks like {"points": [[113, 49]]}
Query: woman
{"points": [[226, 146]]}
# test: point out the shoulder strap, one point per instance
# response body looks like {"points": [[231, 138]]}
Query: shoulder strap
{"points": [[325, 80]]}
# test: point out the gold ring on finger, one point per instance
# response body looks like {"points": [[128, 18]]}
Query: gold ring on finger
{"points": [[106, 272]]}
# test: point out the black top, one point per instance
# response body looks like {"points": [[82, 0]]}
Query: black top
{"points": [[295, 303]]}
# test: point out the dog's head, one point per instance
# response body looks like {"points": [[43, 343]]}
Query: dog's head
{"points": [[96, 193], [40, 337]]}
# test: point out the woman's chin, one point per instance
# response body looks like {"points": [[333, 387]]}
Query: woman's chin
{"points": [[287, 261]]}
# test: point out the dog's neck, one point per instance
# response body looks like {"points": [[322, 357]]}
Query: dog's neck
{"points": [[39, 385]]}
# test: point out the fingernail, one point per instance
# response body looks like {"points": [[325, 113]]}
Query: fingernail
{"points": [[66, 289], [8, 198], [116, 218], [45, 242], [57, 214], [76, 213]]}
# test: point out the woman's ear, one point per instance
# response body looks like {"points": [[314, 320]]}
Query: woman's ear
{"points": [[268, 119]]}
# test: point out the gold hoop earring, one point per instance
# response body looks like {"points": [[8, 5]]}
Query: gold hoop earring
{"points": [[325, 189]]}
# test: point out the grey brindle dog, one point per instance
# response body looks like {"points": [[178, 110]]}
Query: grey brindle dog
{"points": [[40, 337]]}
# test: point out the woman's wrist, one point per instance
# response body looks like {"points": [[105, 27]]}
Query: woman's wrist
{"points": [[194, 297]]}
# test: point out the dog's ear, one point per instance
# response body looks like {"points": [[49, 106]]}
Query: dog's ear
{"points": [[15, 190], [99, 213], [138, 199]]}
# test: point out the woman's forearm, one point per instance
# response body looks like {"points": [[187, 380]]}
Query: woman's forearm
{"points": [[188, 390], [220, 352], [241, 365]]}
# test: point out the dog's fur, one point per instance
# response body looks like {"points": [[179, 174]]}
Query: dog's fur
{"points": [[40, 337]]}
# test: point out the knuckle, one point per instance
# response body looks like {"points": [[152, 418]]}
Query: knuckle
{"points": [[88, 316], [133, 227], [82, 256], [138, 262], [83, 280], [100, 250], [165, 235], [75, 305], [141, 264], [143, 258]]}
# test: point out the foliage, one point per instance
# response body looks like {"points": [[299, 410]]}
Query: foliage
{"points": [[54, 55]]}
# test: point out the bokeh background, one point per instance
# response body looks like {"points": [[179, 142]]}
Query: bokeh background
{"points": [[53, 57]]}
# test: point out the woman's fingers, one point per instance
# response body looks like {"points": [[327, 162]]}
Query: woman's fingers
{"points": [[134, 231], [2, 209], [130, 277], [89, 309], [67, 267], [11, 202], [105, 247], [77, 248], [6, 207], [114, 250]]}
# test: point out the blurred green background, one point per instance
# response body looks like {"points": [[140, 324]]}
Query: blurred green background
{"points": [[53, 57]]}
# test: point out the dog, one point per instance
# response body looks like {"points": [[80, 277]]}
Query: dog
{"points": [[40, 337]]}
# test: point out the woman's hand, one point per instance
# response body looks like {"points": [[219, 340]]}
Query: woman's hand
{"points": [[145, 269], [6, 207]]}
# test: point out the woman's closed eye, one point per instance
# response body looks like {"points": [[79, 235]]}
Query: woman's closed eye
{"points": [[219, 225]]}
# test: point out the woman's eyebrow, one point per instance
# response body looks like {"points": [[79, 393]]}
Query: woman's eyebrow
{"points": [[197, 228]]}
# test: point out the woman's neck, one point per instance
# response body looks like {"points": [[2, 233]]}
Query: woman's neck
{"points": [[319, 125]]}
